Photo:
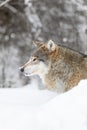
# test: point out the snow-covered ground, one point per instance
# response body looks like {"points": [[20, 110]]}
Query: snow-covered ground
{"points": [[29, 108]]}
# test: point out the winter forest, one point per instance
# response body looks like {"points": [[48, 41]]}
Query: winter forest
{"points": [[23, 21], [24, 103]]}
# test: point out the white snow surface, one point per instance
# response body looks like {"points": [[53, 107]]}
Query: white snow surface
{"points": [[29, 108]]}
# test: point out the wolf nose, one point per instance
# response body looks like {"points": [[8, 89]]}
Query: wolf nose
{"points": [[22, 69]]}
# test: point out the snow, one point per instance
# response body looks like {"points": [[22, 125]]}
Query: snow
{"points": [[19, 106], [67, 111], [29, 108]]}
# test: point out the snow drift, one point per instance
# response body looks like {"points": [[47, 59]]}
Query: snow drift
{"points": [[29, 108]]}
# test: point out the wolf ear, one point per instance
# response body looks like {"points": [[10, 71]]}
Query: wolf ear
{"points": [[37, 43], [51, 45]]}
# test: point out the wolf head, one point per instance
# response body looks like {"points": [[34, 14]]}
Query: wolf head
{"points": [[39, 62]]}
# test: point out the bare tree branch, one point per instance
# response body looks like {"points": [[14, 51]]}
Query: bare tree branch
{"points": [[3, 3], [11, 8]]}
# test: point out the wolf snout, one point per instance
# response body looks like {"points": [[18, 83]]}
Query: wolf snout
{"points": [[21, 69]]}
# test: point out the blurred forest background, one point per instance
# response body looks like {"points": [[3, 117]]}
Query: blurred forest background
{"points": [[23, 21]]}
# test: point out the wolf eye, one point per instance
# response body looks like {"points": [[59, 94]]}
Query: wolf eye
{"points": [[34, 59]]}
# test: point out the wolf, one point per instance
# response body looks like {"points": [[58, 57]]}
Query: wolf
{"points": [[59, 67]]}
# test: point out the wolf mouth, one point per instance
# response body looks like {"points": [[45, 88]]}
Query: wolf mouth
{"points": [[27, 74]]}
